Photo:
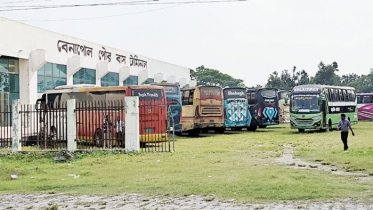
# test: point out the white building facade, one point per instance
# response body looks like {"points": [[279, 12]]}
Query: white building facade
{"points": [[33, 60]]}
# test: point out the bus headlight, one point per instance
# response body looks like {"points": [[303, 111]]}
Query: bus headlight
{"points": [[317, 118], [292, 118]]}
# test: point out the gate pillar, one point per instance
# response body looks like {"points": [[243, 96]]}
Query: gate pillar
{"points": [[132, 121]]}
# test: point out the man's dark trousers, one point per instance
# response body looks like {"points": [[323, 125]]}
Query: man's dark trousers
{"points": [[344, 136]]}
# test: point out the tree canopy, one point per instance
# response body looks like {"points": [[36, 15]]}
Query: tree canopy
{"points": [[206, 76], [326, 75]]}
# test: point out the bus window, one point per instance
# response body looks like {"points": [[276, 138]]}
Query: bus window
{"points": [[340, 95], [190, 99], [371, 99], [366, 100], [53, 100], [187, 97], [335, 95], [353, 95], [171, 90], [252, 98], [345, 98], [210, 91], [359, 101]]}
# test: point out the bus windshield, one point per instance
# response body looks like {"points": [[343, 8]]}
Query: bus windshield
{"points": [[282, 95], [305, 103], [148, 94], [210, 91], [234, 93], [171, 90], [268, 93]]}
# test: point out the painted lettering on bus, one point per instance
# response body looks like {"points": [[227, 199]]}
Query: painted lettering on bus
{"points": [[152, 95], [236, 93], [306, 89]]}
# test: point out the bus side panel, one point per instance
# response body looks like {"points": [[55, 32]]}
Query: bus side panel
{"points": [[236, 114], [188, 117]]}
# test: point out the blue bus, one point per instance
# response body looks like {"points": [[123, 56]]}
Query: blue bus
{"points": [[174, 101], [263, 106], [236, 109]]}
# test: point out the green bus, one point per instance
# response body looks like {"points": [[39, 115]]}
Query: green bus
{"points": [[320, 106]]}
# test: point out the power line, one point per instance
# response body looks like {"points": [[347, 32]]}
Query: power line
{"points": [[146, 2], [99, 17], [15, 2], [29, 7]]}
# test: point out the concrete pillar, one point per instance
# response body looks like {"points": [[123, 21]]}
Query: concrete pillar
{"points": [[73, 66], [182, 82], [132, 122], [124, 73], [71, 128], [158, 78], [143, 76], [171, 79], [16, 126]]}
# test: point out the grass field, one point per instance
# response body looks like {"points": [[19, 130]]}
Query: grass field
{"points": [[236, 165]]}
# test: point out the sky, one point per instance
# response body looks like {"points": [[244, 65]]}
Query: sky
{"points": [[247, 40]]}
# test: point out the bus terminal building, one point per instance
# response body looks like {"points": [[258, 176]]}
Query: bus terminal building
{"points": [[33, 60]]}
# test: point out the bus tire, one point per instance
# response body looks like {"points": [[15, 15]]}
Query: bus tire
{"points": [[220, 130], [262, 126], [194, 132], [301, 130], [98, 138], [252, 128], [330, 128]]}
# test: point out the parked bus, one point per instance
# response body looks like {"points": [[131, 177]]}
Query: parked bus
{"points": [[284, 105], [174, 101], [365, 106], [320, 106], [236, 109], [152, 110], [202, 109], [263, 106]]}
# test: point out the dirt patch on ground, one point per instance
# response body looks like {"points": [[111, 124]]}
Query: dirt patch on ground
{"points": [[135, 201], [291, 161]]}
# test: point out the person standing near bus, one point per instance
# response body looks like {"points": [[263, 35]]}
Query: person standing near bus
{"points": [[344, 125], [119, 126], [107, 130]]}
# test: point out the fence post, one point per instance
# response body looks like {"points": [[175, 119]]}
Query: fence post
{"points": [[71, 125], [132, 121], [16, 126]]}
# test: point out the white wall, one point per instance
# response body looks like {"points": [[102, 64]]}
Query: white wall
{"points": [[20, 40]]}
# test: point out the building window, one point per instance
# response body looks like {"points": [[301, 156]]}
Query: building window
{"points": [[50, 76], [132, 80], [9, 86], [149, 81], [85, 76], [110, 79]]}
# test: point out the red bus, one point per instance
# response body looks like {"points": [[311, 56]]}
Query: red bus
{"points": [[99, 123]]}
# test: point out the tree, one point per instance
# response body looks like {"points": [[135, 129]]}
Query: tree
{"points": [[206, 76], [349, 78], [363, 84], [326, 75], [287, 81], [274, 81], [304, 78]]}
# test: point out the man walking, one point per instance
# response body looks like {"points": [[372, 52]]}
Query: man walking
{"points": [[344, 125]]}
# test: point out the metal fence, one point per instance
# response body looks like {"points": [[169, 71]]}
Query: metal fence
{"points": [[5, 129], [101, 126], [43, 127]]}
